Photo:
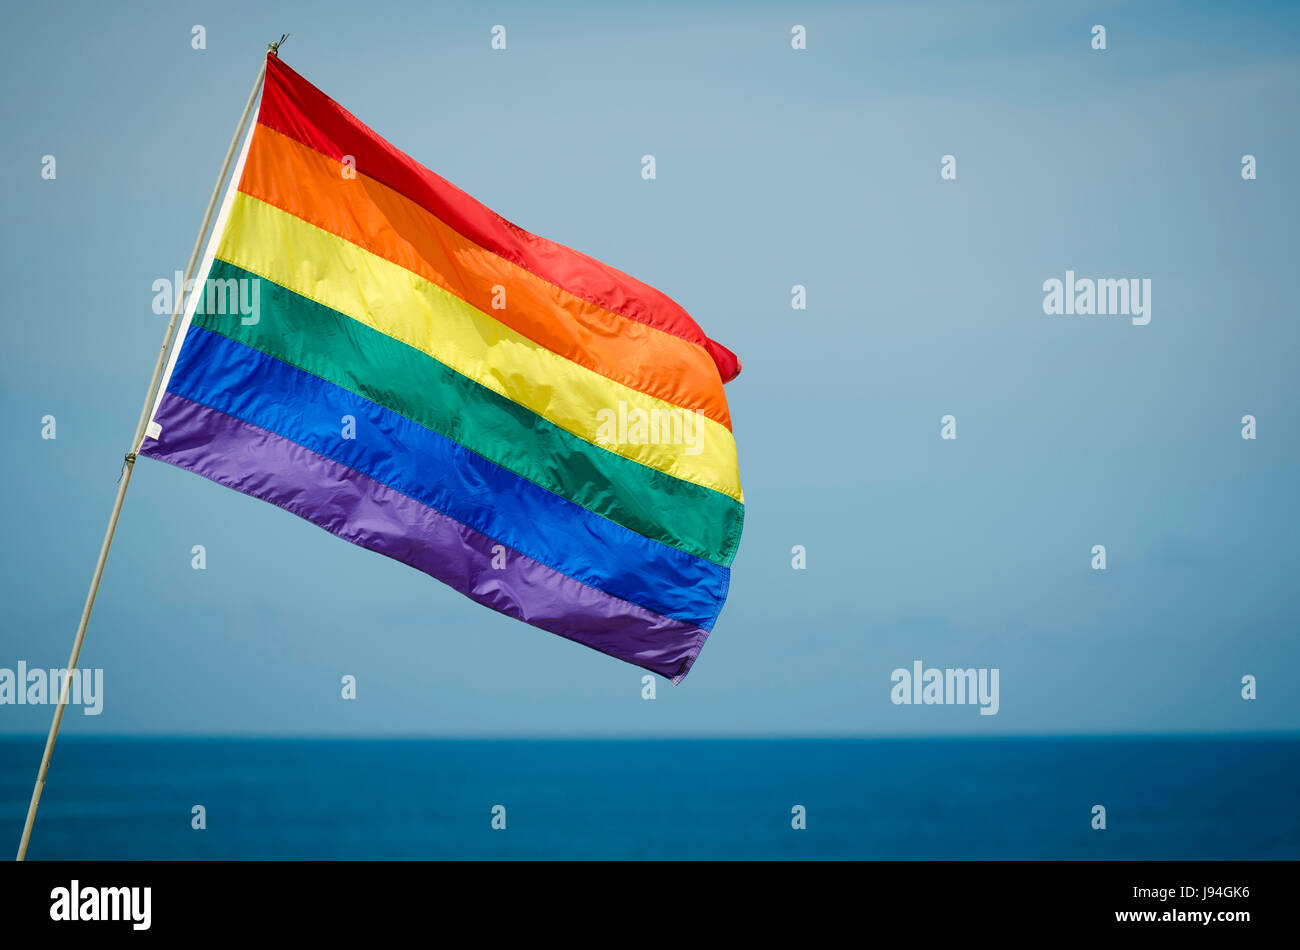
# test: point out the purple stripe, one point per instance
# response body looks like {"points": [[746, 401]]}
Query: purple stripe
{"points": [[361, 510]]}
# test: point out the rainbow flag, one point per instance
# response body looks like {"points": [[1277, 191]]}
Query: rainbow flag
{"points": [[370, 348]]}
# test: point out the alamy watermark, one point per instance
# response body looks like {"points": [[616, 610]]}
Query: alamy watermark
{"points": [[946, 687], [39, 687], [637, 426], [1105, 296], [77, 902], [241, 296]]}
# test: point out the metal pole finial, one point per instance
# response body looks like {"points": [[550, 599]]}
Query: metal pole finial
{"points": [[274, 48]]}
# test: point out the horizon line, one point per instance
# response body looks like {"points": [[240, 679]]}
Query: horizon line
{"points": [[649, 737]]}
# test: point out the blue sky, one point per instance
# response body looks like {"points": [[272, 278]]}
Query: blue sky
{"points": [[775, 167]]}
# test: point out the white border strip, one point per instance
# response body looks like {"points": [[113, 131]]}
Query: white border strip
{"points": [[153, 430]]}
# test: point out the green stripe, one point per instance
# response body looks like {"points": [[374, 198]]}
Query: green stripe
{"points": [[399, 377]]}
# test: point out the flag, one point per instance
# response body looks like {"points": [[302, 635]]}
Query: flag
{"points": [[373, 350]]}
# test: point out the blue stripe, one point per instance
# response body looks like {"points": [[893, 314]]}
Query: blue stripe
{"points": [[259, 389]]}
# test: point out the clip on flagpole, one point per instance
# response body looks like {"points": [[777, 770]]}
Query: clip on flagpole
{"points": [[129, 462]]}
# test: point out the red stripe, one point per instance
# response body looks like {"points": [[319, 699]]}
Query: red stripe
{"points": [[294, 107]]}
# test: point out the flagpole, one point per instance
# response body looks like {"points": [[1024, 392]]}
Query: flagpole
{"points": [[129, 462]]}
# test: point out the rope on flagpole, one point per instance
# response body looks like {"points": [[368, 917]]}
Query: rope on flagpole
{"points": [[124, 478]]}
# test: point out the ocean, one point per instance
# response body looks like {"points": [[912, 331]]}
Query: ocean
{"points": [[1165, 798]]}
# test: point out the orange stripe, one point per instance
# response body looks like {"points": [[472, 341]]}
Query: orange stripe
{"points": [[311, 186]]}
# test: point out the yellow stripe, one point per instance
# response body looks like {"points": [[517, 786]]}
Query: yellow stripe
{"points": [[399, 303]]}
